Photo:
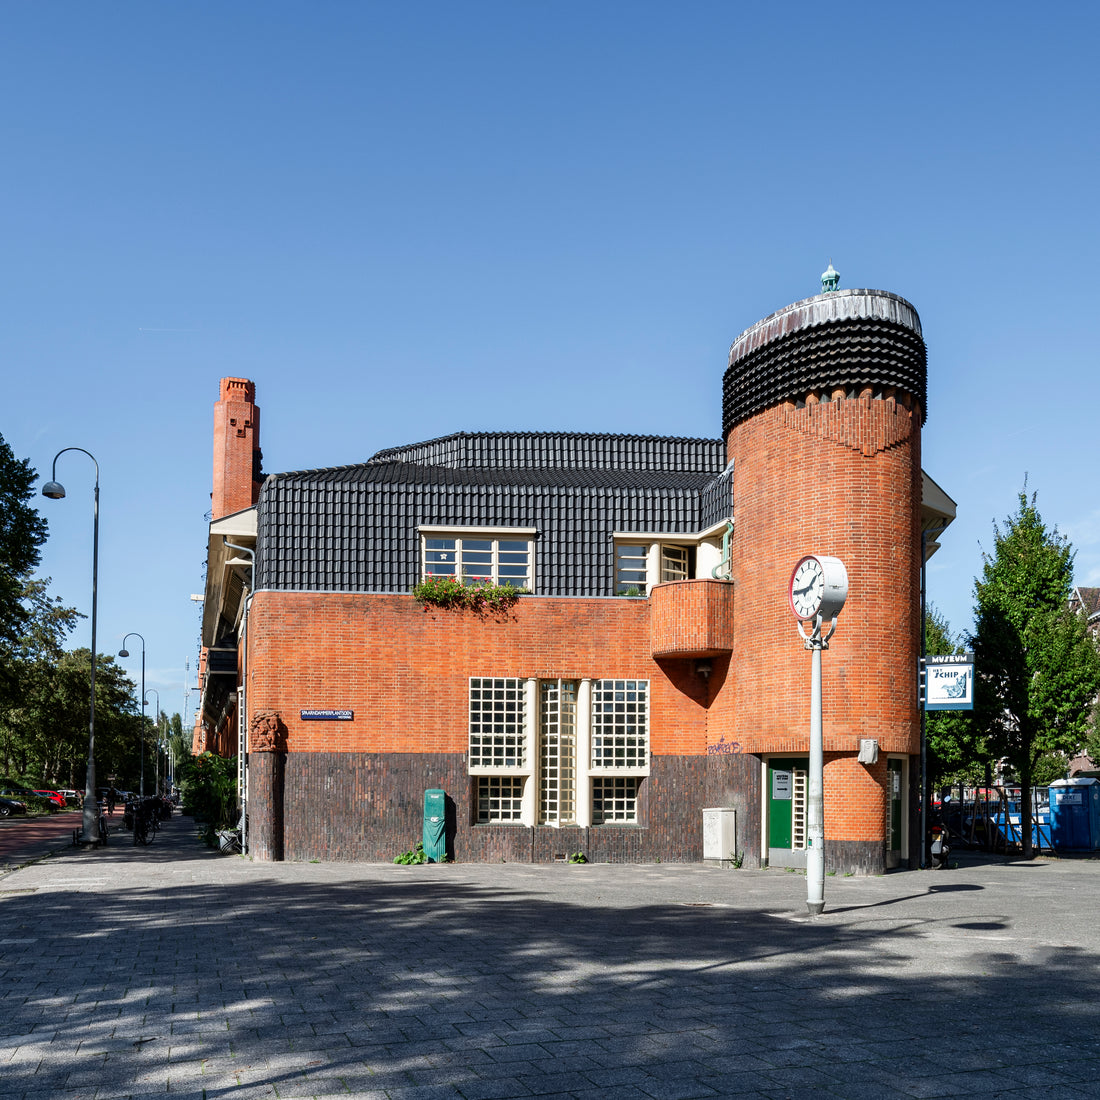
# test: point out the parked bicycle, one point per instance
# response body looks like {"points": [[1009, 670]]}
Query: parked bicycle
{"points": [[146, 820]]}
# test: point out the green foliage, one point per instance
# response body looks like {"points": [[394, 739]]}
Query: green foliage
{"points": [[208, 786], [1050, 767], [44, 731], [632, 591], [475, 596], [415, 855], [578, 857], [22, 532], [1037, 669]]}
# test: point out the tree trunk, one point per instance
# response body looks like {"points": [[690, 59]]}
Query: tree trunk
{"points": [[1025, 810]]}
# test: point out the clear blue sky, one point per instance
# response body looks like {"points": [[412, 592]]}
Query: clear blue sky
{"points": [[403, 220]]}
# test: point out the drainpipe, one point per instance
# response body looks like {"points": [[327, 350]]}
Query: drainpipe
{"points": [[242, 700]]}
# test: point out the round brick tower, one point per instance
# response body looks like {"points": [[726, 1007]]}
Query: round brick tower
{"points": [[822, 409]]}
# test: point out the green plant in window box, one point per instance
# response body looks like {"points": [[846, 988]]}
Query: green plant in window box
{"points": [[633, 591], [475, 595]]}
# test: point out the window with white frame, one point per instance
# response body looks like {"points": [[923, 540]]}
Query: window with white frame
{"points": [[614, 799], [640, 565], [558, 752], [676, 562], [620, 724], [496, 557], [498, 736], [499, 798], [631, 569]]}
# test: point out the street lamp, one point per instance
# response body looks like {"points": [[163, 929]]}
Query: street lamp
{"points": [[141, 741], [156, 758], [56, 491]]}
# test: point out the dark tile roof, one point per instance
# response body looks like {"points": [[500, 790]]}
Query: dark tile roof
{"points": [[356, 528]]}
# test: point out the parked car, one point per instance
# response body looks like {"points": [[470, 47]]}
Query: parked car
{"points": [[72, 798], [10, 806], [30, 799], [56, 797]]}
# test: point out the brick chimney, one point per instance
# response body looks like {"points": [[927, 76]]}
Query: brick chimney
{"points": [[237, 457]]}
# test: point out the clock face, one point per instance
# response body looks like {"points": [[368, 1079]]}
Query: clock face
{"points": [[807, 588]]}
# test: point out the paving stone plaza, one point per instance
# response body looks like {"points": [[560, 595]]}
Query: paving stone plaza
{"points": [[173, 970]]}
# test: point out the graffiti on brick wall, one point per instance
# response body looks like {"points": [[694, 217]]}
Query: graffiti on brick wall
{"points": [[724, 748]]}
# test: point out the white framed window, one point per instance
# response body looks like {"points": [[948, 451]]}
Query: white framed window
{"points": [[497, 556], [574, 752], [499, 798], [498, 736], [631, 569], [620, 724], [640, 564], [557, 752], [676, 562], [614, 799]]}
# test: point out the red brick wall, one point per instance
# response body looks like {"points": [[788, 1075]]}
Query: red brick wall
{"points": [[692, 618], [236, 448], [839, 478], [404, 670]]}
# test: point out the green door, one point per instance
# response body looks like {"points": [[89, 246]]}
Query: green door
{"points": [[786, 803]]}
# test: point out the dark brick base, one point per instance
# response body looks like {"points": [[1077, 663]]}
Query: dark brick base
{"points": [[369, 806], [365, 806]]}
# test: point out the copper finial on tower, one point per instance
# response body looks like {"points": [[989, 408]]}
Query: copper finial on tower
{"points": [[830, 279]]}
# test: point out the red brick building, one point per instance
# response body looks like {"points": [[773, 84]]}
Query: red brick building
{"points": [[655, 669]]}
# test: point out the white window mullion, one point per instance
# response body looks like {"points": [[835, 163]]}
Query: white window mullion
{"points": [[529, 811], [584, 753]]}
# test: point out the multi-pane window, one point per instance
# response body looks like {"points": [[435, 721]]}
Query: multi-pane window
{"points": [[614, 798], [639, 565], [620, 723], [497, 735], [499, 798], [675, 563], [473, 559], [630, 569], [557, 752]]}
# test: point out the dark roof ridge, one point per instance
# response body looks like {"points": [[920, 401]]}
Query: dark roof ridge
{"points": [[383, 455], [548, 451]]}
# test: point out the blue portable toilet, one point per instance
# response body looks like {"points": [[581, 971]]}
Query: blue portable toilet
{"points": [[1075, 815]]}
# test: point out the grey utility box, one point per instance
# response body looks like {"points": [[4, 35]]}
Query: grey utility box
{"points": [[720, 834]]}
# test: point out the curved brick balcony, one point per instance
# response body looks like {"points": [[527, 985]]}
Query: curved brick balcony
{"points": [[691, 618]]}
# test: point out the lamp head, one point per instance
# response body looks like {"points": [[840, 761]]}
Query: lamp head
{"points": [[124, 653], [54, 490]]}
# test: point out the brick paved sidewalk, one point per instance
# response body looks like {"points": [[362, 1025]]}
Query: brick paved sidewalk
{"points": [[173, 970]]}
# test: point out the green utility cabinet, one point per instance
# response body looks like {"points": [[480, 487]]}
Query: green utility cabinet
{"points": [[435, 826]]}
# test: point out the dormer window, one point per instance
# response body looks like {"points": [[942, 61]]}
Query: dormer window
{"points": [[640, 565], [473, 555]]}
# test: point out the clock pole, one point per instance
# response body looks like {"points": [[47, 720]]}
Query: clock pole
{"points": [[815, 801], [817, 592]]}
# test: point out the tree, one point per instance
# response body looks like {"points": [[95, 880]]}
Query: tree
{"points": [[22, 532], [1037, 671]]}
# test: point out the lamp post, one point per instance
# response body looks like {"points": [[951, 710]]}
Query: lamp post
{"points": [[156, 757], [141, 740], [56, 491]]}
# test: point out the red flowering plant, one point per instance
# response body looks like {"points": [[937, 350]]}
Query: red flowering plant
{"points": [[475, 593]]}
